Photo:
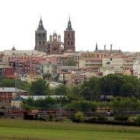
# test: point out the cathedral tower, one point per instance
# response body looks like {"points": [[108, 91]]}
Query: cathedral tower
{"points": [[69, 38], [41, 37]]}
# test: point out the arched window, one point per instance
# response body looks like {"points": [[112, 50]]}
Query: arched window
{"points": [[71, 42]]}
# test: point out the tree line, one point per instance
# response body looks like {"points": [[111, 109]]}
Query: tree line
{"points": [[125, 90], [91, 89]]}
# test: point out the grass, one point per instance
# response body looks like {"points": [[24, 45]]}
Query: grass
{"points": [[37, 130]]}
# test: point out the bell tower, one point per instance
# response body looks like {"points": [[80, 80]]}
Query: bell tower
{"points": [[69, 38], [41, 37]]}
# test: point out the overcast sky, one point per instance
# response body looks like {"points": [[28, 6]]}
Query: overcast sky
{"points": [[107, 22]]}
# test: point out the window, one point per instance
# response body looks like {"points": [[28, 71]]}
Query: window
{"points": [[68, 42], [71, 42], [68, 35], [39, 42]]}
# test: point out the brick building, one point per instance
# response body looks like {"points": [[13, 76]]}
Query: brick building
{"points": [[8, 94], [7, 72]]}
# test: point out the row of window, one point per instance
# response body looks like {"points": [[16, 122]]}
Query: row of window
{"points": [[41, 43], [70, 35], [70, 42], [43, 35], [40, 35]]}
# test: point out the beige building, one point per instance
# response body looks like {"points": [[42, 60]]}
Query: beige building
{"points": [[90, 62]]}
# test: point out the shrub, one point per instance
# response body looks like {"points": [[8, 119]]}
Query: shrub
{"points": [[137, 120], [101, 117], [79, 116], [122, 118]]}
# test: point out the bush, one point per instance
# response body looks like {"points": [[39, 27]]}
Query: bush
{"points": [[121, 118], [101, 117], [137, 120], [79, 116]]}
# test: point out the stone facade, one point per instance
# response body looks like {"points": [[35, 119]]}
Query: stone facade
{"points": [[54, 44]]}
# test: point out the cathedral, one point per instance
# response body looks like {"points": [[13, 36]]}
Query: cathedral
{"points": [[54, 45]]}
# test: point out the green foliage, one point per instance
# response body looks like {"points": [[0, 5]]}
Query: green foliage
{"points": [[27, 107], [39, 87], [79, 116], [7, 82], [119, 85], [47, 76], [111, 84], [61, 90], [137, 120], [73, 93], [122, 118], [47, 103], [84, 106], [125, 105], [127, 90], [101, 117], [24, 85], [90, 89]]}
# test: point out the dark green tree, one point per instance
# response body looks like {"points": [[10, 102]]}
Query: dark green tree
{"points": [[61, 90], [127, 90], [7, 82], [47, 76], [111, 84], [90, 89], [39, 87]]}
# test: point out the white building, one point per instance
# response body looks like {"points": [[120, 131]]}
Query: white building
{"points": [[136, 68]]}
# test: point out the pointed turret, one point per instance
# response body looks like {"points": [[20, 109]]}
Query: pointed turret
{"points": [[13, 48], [40, 25], [69, 38], [96, 47], [40, 37], [69, 26]]}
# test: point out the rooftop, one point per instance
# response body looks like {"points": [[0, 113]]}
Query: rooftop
{"points": [[11, 89]]}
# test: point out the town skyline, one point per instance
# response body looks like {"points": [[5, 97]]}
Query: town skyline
{"points": [[102, 22]]}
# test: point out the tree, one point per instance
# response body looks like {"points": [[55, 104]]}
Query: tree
{"points": [[111, 84], [24, 85], [61, 90], [47, 76], [11, 83], [73, 93], [7, 82], [125, 105], [90, 89], [127, 89], [84, 106], [39, 87]]}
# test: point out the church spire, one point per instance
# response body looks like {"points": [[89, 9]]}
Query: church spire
{"points": [[69, 26], [40, 25], [96, 48]]}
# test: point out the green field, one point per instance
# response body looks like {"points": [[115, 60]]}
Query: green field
{"points": [[38, 130]]}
